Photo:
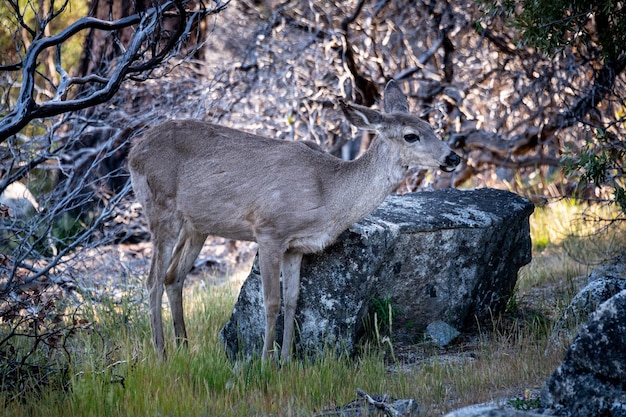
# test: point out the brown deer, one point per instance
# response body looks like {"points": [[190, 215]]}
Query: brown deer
{"points": [[196, 179]]}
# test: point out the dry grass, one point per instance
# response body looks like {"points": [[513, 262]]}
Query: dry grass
{"points": [[114, 371]]}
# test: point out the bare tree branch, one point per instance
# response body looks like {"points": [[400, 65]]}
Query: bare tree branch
{"points": [[135, 60]]}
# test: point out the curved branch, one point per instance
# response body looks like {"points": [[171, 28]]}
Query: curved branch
{"points": [[180, 31], [27, 108], [367, 92]]}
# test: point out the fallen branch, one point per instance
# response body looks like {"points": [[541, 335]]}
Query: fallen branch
{"points": [[370, 405]]}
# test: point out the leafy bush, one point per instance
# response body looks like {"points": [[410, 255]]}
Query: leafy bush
{"points": [[600, 163], [593, 34]]}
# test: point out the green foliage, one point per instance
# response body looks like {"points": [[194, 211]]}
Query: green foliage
{"points": [[14, 39], [552, 25], [380, 317], [34, 12], [36, 329], [600, 163], [68, 227], [590, 31], [526, 402]]}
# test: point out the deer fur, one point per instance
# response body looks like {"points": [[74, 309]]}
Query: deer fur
{"points": [[196, 179]]}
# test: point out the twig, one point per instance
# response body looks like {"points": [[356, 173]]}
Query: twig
{"points": [[381, 405]]}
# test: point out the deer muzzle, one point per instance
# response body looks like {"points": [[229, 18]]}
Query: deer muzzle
{"points": [[451, 162]]}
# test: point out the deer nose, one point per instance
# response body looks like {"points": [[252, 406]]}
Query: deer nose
{"points": [[453, 159]]}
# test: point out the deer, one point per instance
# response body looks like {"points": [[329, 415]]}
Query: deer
{"points": [[195, 179]]}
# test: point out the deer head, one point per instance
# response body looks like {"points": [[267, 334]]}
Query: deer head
{"points": [[415, 138]]}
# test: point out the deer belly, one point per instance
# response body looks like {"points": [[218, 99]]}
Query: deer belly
{"points": [[217, 224], [312, 243]]}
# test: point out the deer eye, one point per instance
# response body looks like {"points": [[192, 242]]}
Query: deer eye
{"points": [[411, 137]]}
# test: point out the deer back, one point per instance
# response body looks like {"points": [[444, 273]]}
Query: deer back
{"points": [[230, 183]]}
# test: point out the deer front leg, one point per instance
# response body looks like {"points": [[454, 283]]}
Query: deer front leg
{"points": [[291, 290], [269, 264]]}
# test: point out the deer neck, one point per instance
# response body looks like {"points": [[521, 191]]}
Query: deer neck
{"points": [[371, 178]]}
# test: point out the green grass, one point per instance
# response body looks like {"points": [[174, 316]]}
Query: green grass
{"points": [[114, 371]]}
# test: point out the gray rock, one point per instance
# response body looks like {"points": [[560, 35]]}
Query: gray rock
{"points": [[20, 201], [490, 411], [20, 223], [603, 283], [441, 333], [591, 380], [447, 255]]}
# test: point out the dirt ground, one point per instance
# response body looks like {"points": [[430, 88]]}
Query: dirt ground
{"points": [[115, 270]]}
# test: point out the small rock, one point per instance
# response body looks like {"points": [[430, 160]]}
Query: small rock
{"points": [[441, 333]]}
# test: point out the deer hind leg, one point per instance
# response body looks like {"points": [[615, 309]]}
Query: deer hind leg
{"points": [[185, 253], [269, 264], [163, 244], [291, 290]]}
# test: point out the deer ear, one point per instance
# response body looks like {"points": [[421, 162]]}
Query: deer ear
{"points": [[395, 100], [360, 116]]}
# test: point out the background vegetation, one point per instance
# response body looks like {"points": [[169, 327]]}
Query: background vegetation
{"points": [[531, 93]]}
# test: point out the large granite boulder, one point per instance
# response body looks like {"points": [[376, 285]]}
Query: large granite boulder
{"points": [[591, 380], [449, 255], [603, 283]]}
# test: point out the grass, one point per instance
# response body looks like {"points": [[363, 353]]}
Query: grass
{"points": [[114, 371]]}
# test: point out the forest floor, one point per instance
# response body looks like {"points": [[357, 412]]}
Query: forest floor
{"points": [[116, 270], [504, 362]]}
